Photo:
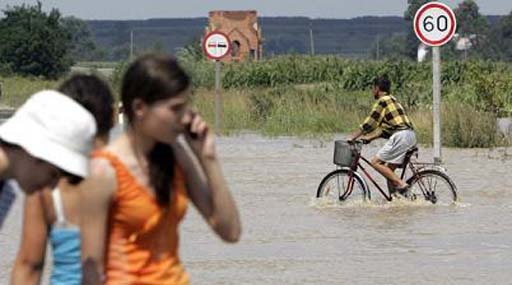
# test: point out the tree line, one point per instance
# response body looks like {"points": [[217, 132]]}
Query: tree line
{"points": [[489, 41], [38, 43]]}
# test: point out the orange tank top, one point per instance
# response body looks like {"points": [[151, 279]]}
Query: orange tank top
{"points": [[143, 237]]}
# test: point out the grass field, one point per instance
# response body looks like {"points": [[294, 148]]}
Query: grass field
{"points": [[314, 109]]}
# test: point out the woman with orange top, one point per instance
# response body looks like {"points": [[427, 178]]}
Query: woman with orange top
{"points": [[141, 182]]}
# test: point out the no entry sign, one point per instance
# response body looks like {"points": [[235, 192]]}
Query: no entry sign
{"points": [[216, 45], [435, 24]]}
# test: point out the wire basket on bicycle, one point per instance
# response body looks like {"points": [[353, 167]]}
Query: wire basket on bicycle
{"points": [[346, 152]]}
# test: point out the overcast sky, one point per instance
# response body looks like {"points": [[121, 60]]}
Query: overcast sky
{"points": [[137, 9]]}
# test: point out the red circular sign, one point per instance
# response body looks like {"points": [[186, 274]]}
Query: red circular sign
{"points": [[216, 45], [435, 24]]}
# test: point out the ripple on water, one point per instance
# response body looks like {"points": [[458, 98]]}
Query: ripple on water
{"points": [[325, 203]]}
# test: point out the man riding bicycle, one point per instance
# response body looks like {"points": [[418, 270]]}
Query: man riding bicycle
{"points": [[389, 116]]}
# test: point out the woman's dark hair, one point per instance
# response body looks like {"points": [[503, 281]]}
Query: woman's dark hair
{"points": [[71, 178], [383, 83], [152, 78], [95, 95]]}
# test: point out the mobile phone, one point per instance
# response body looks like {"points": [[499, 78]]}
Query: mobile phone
{"points": [[192, 135]]}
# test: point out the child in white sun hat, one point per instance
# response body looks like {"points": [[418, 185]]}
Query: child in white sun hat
{"points": [[49, 136]]}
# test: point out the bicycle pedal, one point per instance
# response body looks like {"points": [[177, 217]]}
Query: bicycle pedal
{"points": [[433, 198]]}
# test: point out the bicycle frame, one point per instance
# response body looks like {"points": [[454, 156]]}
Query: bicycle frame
{"points": [[357, 164]]}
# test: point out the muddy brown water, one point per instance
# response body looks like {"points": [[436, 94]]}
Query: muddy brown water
{"points": [[289, 237]]}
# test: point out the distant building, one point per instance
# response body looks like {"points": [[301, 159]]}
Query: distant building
{"points": [[422, 52], [243, 30], [464, 43]]}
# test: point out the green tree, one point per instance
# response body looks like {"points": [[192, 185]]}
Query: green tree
{"points": [[33, 42], [157, 47], [472, 25], [83, 46], [501, 37], [469, 19], [414, 6], [411, 41], [192, 52], [389, 47]]}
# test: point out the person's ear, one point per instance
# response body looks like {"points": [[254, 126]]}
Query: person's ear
{"points": [[139, 108]]}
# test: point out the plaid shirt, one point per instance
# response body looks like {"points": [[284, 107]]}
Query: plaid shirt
{"points": [[388, 115]]}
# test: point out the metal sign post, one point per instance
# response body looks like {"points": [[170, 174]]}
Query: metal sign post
{"points": [[435, 24], [216, 45], [436, 105], [218, 98]]}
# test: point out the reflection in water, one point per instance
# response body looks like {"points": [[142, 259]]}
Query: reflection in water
{"points": [[289, 237]]}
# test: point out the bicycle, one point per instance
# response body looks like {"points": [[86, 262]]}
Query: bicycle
{"points": [[428, 180]]}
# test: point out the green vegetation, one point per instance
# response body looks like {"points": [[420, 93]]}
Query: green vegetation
{"points": [[33, 42], [312, 96], [322, 111], [36, 43], [293, 94], [490, 37], [17, 89], [319, 96], [482, 85]]}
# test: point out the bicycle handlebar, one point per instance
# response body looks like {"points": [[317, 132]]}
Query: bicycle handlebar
{"points": [[359, 141]]}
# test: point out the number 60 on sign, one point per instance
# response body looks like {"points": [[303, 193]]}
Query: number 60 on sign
{"points": [[435, 24]]}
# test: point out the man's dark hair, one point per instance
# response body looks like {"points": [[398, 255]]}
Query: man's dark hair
{"points": [[95, 95], [383, 83]]}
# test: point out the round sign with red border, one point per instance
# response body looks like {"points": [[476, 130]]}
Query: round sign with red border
{"points": [[435, 24], [216, 45]]}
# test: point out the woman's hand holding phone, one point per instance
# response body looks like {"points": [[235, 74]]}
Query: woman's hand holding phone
{"points": [[200, 138]]}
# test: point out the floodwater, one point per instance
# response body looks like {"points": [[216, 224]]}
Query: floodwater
{"points": [[289, 237]]}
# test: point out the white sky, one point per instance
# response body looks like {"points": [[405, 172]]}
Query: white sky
{"points": [[136, 9]]}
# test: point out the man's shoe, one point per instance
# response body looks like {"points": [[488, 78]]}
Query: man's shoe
{"points": [[404, 191]]}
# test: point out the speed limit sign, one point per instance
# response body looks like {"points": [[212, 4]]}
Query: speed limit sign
{"points": [[435, 24]]}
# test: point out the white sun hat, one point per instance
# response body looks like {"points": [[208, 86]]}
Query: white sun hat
{"points": [[54, 128]]}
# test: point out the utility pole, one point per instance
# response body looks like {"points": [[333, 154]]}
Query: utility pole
{"points": [[378, 47], [131, 44], [311, 39]]}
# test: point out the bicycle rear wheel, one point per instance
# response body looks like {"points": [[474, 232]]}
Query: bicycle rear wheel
{"points": [[334, 187], [434, 185]]}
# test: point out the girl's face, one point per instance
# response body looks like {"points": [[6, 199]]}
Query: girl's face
{"points": [[34, 174], [164, 120]]}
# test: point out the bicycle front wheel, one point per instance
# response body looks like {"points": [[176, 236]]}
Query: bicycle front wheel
{"points": [[434, 185], [335, 186]]}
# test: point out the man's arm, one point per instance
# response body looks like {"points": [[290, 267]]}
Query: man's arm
{"points": [[355, 135], [373, 135], [372, 122]]}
